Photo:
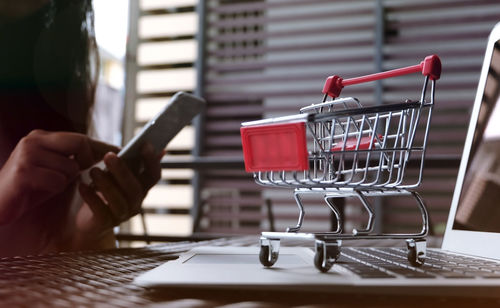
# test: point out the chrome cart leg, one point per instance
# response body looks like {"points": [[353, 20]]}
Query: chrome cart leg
{"points": [[331, 205], [269, 251], [301, 214], [326, 254], [416, 251], [423, 211], [371, 216]]}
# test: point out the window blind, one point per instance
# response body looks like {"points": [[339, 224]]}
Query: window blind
{"points": [[269, 58]]}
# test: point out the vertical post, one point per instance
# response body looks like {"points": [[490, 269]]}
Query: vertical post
{"points": [[131, 69], [198, 122], [379, 90]]}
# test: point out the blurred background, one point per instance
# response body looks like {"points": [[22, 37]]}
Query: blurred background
{"points": [[254, 59]]}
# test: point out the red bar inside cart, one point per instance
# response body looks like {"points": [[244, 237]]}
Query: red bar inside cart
{"points": [[275, 147], [365, 143]]}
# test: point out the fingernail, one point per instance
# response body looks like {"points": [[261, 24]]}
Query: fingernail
{"points": [[110, 158]]}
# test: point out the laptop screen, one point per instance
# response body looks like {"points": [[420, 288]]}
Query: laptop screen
{"points": [[479, 204]]}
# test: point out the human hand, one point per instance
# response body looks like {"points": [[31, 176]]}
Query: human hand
{"points": [[117, 193], [42, 165]]}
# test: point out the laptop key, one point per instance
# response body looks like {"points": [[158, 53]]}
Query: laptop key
{"points": [[481, 273], [455, 275], [411, 274], [368, 272], [491, 276], [374, 275], [491, 268]]}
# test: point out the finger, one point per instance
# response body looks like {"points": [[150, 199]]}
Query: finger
{"points": [[105, 184], [152, 169], [126, 180], [99, 148], [102, 214], [162, 153], [54, 161], [85, 150], [65, 143], [48, 180]]}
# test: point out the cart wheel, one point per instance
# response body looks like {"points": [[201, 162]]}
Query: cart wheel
{"points": [[318, 261], [269, 251], [416, 252], [264, 256], [324, 260]]}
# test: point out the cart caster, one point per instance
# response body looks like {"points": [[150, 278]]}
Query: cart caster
{"points": [[416, 252], [269, 251], [326, 255]]}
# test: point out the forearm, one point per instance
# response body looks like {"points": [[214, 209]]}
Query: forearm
{"points": [[87, 233]]}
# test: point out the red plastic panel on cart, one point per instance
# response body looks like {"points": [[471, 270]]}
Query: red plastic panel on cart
{"points": [[350, 145], [275, 147]]}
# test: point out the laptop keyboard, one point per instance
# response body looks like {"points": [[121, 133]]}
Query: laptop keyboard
{"points": [[392, 262]]}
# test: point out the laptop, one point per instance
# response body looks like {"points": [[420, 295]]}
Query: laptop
{"points": [[468, 263]]}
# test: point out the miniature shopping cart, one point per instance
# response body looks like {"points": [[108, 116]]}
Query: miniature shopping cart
{"points": [[341, 149]]}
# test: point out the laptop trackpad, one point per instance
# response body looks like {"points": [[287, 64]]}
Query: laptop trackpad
{"points": [[238, 267]]}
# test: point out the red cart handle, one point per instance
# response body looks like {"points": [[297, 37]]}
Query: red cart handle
{"points": [[430, 66]]}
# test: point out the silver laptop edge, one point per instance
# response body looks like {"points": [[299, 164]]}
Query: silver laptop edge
{"points": [[472, 242]]}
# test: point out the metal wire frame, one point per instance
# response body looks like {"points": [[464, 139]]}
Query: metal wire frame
{"points": [[391, 130]]}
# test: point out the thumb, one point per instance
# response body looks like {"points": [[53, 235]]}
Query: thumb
{"points": [[99, 149]]}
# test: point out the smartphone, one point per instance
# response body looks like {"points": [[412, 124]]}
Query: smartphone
{"points": [[159, 131], [179, 112]]}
